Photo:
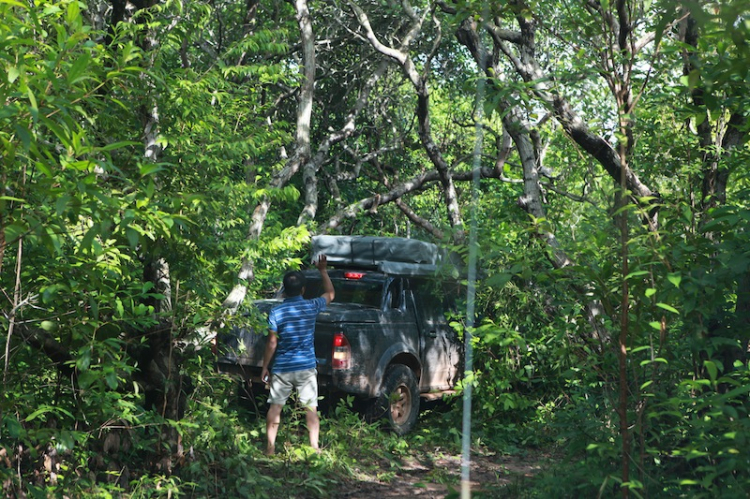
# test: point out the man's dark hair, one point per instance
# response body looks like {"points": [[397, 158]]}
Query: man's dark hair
{"points": [[294, 281]]}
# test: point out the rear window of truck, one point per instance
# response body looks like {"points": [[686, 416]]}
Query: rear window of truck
{"points": [[351, 289]]}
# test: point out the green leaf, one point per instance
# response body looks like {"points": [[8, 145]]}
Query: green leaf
{"points": [[84, 360], [636, 274], [133, 236], [48, 325], [14, 231], [14, 3], [650, 292], [659, 360], [42, 410], [81, 165], [32, 101], [687, 213], [61, 204], [661, 25], [73, 15], [668, 308], [711, 369], [149, 168], [45, 409], [66, 439], [117, 145], [13, 74], [688, 481], [498, 281], [111, 379], [731, 412], [51, 9], [76, 71], [150, 190], [61, 133], [691, 80], [13, 427], [88, 238], [11, 198], [675, 279], [736, 392]]}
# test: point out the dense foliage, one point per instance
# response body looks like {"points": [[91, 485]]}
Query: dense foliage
{"points": [[161, 158]]}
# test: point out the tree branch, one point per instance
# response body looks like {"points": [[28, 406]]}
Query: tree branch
{"points": [[416, 184], [421, 222]]}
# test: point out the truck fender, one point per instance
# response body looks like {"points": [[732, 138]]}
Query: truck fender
{"points": [[401, 354]]}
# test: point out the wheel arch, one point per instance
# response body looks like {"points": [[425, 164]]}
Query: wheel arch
{"points": [[409, 361], [397, 354]]}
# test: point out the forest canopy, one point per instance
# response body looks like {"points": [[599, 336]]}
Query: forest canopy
{"points": [[165, 162]]}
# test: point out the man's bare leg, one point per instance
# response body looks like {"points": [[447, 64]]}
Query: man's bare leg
{"points": [[313, 426], [273, 419]]}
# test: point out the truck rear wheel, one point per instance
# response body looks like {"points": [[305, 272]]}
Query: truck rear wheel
{"points": [[399, 400]]}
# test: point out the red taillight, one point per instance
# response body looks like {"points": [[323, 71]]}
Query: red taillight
{"points": [[342, 352], [354, 275]]}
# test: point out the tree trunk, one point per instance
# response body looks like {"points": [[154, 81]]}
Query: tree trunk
{"points": [[717, 141], [159, 368], [304, 114], [165, 389]]}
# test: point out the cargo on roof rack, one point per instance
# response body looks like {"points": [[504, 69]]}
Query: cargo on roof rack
{"points": [[392, 255]]}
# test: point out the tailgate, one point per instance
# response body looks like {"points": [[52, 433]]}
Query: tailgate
{"points": [[334, 319], [242, 346]]}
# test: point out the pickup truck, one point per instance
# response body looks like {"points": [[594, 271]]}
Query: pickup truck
{"points": [[386, 338]]}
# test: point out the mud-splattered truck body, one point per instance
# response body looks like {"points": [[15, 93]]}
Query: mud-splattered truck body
{"points": [[386, 338]]}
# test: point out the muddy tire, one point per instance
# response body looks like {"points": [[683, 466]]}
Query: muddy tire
{"points": [[398, 402]]}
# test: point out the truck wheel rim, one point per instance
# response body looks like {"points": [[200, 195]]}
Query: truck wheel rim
{"points": [[400, 404]]}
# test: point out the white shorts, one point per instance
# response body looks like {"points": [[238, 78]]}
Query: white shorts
{"points": [[306, 383]]}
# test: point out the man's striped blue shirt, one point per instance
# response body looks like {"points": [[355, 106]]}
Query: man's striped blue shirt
{"points": [[294, 323]]}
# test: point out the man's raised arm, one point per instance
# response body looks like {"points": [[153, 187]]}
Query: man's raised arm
{"points": [[328, 292]]}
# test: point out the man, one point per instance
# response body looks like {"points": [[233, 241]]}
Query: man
{"points": [[292, 329]]}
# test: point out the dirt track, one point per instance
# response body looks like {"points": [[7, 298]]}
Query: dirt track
{"points": [[436, 479]]}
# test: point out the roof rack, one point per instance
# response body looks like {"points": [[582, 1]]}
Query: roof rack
{"points": [[390, 255]]}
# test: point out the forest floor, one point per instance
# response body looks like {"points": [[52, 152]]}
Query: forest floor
{"points": [[439, 476], [359, 461]]}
